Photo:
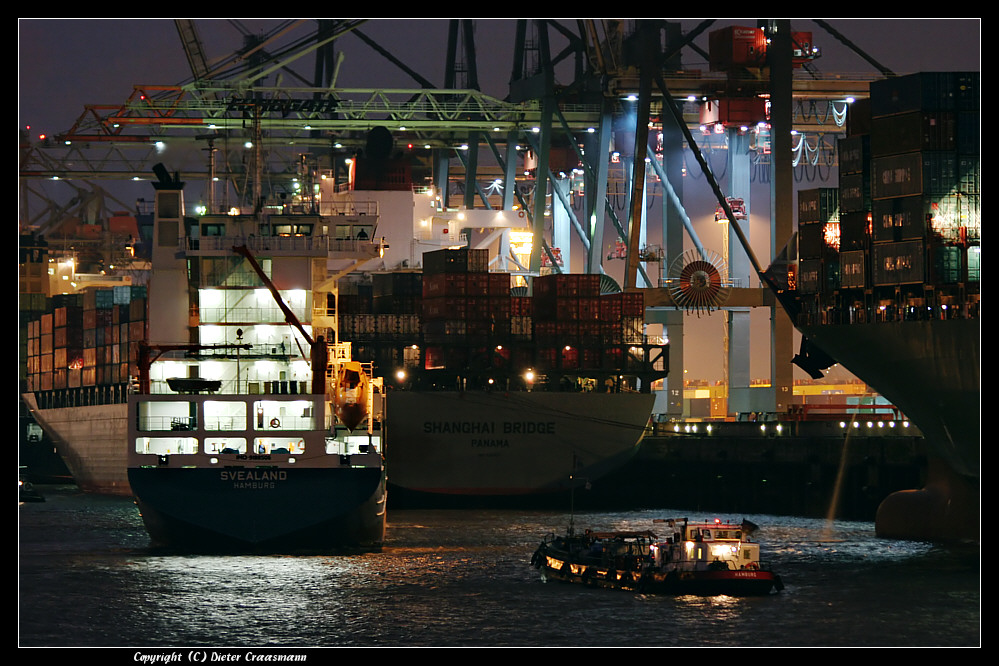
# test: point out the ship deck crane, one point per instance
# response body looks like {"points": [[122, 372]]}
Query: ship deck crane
{"points": [[351, 386]]}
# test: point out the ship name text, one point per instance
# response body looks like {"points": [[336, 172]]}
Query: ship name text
{"points": [[489, 428], [254, 478]]}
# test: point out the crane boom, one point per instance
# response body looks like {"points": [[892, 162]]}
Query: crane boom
{"points": [[289, 316], [319, 354]]}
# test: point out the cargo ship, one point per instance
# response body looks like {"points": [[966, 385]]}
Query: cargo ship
{"points": [[513, 395], [888, 282], [243, 436], [489, 392], [79, 351]]}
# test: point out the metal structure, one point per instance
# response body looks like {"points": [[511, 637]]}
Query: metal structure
{"points": [[568, 130]]}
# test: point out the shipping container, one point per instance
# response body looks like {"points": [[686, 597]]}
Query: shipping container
{"points": [[854, 154], [444, 331], [818, 205], [817, 240], [435, 285], [925, 91], [396, 284], [854, 231], [499, 284], [853, 269], [392, 304], [969, 178], [974, 259], [562, 285], [854, 192], [858, 117], [914, 132], [810, 272], [633, 304], [951, 218], [462, 260], [928, 173], [611, 307], [969, 132], [948, 265], [898, 263], [520, 306], [67, 316]]}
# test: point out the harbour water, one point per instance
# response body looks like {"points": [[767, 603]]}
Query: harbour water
{"points": [[462, 578]]}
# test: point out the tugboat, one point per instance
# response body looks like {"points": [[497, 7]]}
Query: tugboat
{"points": [[701, 558]]}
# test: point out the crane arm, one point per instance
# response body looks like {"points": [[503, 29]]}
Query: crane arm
{"points": [[289, 316]]}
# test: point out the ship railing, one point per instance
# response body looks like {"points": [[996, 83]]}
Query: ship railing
{"points": [[343, 207], [270, 424], [249, 315], [297, 245]]}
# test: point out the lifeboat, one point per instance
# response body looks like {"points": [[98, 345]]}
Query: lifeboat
{"points": [[350, 399]]}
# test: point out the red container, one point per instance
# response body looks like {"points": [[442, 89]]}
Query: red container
{"points": [[445, 284], [633, 304], [499, 284], [589, 308], [610, 307]]}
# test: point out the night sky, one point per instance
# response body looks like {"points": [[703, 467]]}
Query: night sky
{"points": [[67, 63]]}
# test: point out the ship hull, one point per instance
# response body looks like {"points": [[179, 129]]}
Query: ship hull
{"points": [[91, 442], [677, 583], [574, 438], [509, 443], [931, 370], [262, 510]]}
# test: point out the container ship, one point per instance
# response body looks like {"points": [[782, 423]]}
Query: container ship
{"points": [[888, 281], [491, 390], [80, 351], [220, 436], [497, 394]]}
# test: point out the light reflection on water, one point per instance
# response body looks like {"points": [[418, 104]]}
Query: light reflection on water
{"points": [[462, 578]]}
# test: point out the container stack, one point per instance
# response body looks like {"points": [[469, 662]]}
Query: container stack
{"points": [[575, 327], [396, 293], [67, 344], [521, 318], [855, 206], [818, 239], [926, 185], [909, 193], [87, 340], [465, 309]]}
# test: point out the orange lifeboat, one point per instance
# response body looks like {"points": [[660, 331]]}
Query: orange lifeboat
{"points": [[350, 400]]}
